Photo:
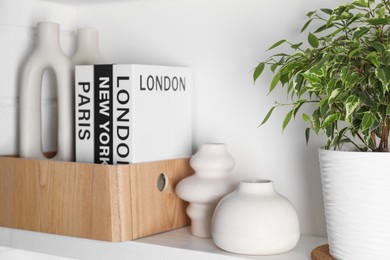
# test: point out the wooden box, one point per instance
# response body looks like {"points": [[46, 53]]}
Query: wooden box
{"points": [[103, 202]]}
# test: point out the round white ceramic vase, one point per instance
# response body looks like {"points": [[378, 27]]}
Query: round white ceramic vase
{"points": [[255, 220], [87, 48], [211, 181], [356, 195], [46, 55]]}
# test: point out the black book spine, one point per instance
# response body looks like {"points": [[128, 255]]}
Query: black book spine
{"points": [[103, 114]]}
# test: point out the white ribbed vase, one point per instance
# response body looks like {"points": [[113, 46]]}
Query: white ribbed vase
{"points": [[356, 190], [210, 182]]}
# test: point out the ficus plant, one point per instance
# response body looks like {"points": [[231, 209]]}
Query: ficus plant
{"points": [[344, 71]]}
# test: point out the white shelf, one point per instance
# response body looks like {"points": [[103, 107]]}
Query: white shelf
{"points": [[177, 244], [84, 2]]}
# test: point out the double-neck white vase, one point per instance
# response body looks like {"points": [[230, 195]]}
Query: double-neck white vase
{"points": [[211, 181], [255, 220], [46, 55], [87, 48]]}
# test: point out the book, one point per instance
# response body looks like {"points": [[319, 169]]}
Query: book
{"points": [[140, 113], [152, 113], [103, 108], [84, 118]]}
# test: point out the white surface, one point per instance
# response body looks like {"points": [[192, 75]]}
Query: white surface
{"points": [[255, 219], [221, 41], [356, 195], [177, 244]]}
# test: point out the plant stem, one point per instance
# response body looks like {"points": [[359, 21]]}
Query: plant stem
{"points": [[384, 143]]}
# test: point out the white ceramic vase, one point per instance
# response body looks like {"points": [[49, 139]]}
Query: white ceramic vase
{"points": [[46, 55], [255, 220], [87, 48], [356, 195], [211, 181]]}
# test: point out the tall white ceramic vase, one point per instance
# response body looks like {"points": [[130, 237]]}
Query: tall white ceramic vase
{"points": [[211, 181], [46, 55], [255, 220], [87, 48], [356, 190]]}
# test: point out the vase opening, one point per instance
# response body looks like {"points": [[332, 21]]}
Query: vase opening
{"points": [[256, 181]]}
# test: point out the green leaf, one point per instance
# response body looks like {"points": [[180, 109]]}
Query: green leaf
{"points": [[307, 135], [310, 14], [334, 95], [259, 69], [367, 121], [306, 24], [313, 40], [378, 46], [324, 106], [353, 52], [320, 63], [360, 3], [373, 58], [267, 116], [327, 11], [287, 119], [276, 44], [329, 23], [359, 32], [338, 140], [297, 106], [351, 104], [274, 82], [352, 80], [305, 117], [321, 28], [365, 99], [329, 120], [311, 77], [274, 67], [383, 74], [296, 46], [378, 21], [297, 82]]}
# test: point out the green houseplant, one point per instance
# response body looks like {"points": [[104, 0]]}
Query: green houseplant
{"points": [[344, 73]]}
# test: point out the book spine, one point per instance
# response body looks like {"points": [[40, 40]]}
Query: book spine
{"points": [[122, 140], [84, 118], [103, 114]]}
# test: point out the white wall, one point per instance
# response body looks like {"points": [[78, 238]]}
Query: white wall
{"points": [[221, 41]]}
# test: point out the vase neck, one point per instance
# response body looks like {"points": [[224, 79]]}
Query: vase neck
{"points": [[213, 148], [87, 39], [48, 35], [256, 186]]}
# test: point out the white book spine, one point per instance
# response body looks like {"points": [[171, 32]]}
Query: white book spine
{"points": [[84, 114], [122, 114]]}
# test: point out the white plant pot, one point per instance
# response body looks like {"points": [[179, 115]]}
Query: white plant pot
{"points": [[356, 190]]}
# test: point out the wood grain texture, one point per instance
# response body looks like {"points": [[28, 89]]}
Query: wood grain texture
{"points": [[321, 253], [111, 203]]}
